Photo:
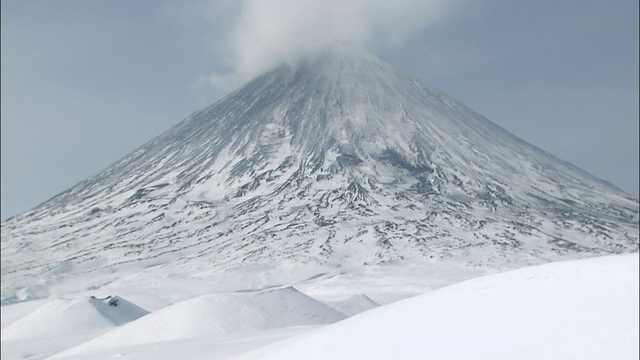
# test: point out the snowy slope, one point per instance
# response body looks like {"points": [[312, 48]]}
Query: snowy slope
{"points": [[59, 324], [338, 162], [586, 309], [353, 305], [213, 316]]}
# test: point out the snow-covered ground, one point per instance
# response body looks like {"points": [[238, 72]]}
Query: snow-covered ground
{"points": [[584, 309]]}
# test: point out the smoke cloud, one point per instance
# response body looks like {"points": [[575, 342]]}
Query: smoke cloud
{"points": [[266, 33]]}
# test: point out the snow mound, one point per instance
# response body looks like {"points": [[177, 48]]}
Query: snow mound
{"points": [[219, 314], [586, 309], [37, 329], [353, 305], [14, 312], [86, 316]]}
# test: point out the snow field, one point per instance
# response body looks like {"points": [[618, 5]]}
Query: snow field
{"points": [[584, 309]]}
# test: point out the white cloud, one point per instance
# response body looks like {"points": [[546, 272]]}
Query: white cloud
{"points": [[268, 32]]}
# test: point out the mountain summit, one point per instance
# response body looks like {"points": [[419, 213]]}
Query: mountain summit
{"points": [[338, 160]]}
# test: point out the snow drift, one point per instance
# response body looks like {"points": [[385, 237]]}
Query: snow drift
{"points": [[218, 314], [586, 309], [353, 305], [59, 324], [59, 316]]}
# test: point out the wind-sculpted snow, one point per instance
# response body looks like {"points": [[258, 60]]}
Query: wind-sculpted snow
{"points": [[353, 305], [335, 160], [215, 315], [59, 324], [585, 309]]}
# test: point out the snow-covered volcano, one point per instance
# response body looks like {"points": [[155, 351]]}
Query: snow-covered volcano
{"points": [[337, 161]]}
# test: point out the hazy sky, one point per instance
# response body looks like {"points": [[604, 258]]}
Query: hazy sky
{"points": [[85, 82]]}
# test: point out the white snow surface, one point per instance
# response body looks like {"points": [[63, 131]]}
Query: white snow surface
{"points": [[582, 309], [217, 314], [57, 324], [586, 309], [353, 305]]}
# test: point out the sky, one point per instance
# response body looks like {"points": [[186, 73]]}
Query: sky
{"points": [[85, 82]]}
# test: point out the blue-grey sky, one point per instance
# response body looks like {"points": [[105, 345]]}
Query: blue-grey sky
{"points": [[84, 82]]}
